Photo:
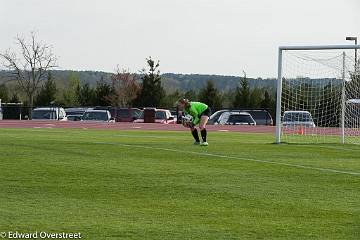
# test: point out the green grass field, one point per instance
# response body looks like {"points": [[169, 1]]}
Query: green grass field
{"points": [[157, 185]]}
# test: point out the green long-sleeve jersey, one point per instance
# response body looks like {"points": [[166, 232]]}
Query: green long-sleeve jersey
{"points": [[195, 109]]}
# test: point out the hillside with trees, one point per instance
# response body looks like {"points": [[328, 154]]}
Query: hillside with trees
{"points": [[87, 88], [171, 81]]}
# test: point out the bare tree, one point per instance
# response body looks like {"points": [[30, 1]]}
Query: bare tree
{"points": [[29, 67], [124, 88]]}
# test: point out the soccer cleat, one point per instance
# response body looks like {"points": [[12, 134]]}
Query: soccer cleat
{"points": [[204, 144], [196, 143]]}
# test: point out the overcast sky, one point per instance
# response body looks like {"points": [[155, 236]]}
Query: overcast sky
{"points": [[187, 36]]}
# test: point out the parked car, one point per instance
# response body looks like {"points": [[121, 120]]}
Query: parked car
{"points": [[76, 111], [127, 114], [74, 117], [261, 116], [174, 114], [122, 114], [213, 119], [49, 113], [98, 115], [161, 116], [297, 118], [236, 118], [75, 114]]}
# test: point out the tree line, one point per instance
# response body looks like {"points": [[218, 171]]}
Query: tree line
{"points": [[133, 90]]}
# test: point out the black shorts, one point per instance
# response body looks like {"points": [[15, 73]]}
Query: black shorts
{"points": [[206, 112]]}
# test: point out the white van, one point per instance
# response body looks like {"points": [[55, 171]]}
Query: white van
{"points": [[49, 113], [297, 118]]}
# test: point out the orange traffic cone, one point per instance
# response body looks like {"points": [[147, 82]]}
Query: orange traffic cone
{"points": [[301, 130]]}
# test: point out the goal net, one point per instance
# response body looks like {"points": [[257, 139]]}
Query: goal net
{"points": [[318, 97]]}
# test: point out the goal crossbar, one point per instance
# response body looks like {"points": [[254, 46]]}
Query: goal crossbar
{"points": [[320, 47]]}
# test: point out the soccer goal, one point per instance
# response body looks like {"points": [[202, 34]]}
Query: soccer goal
{"points": [[318, 94]]}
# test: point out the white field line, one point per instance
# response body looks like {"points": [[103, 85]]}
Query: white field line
{"points": [[232, 157], [78, 131], [305, 145], [143, 136], [222, 156], [42, 129]]}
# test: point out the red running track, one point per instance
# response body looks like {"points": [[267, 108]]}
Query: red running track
{"points": [[128, 126]]}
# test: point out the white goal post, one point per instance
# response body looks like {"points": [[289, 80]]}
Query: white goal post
{"points": [[318, 94]]}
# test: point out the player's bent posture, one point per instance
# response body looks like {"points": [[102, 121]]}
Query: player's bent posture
{"points": [[200, 113]]}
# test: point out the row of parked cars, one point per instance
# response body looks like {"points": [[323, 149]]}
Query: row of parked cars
{"points": [[261, 117], [101, 114], [164, 116]]}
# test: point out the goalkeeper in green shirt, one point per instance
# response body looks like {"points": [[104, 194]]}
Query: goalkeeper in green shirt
{"points": [[196, 113]]}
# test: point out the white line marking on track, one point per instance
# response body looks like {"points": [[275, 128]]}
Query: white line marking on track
{"points": [[233, 157]]}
